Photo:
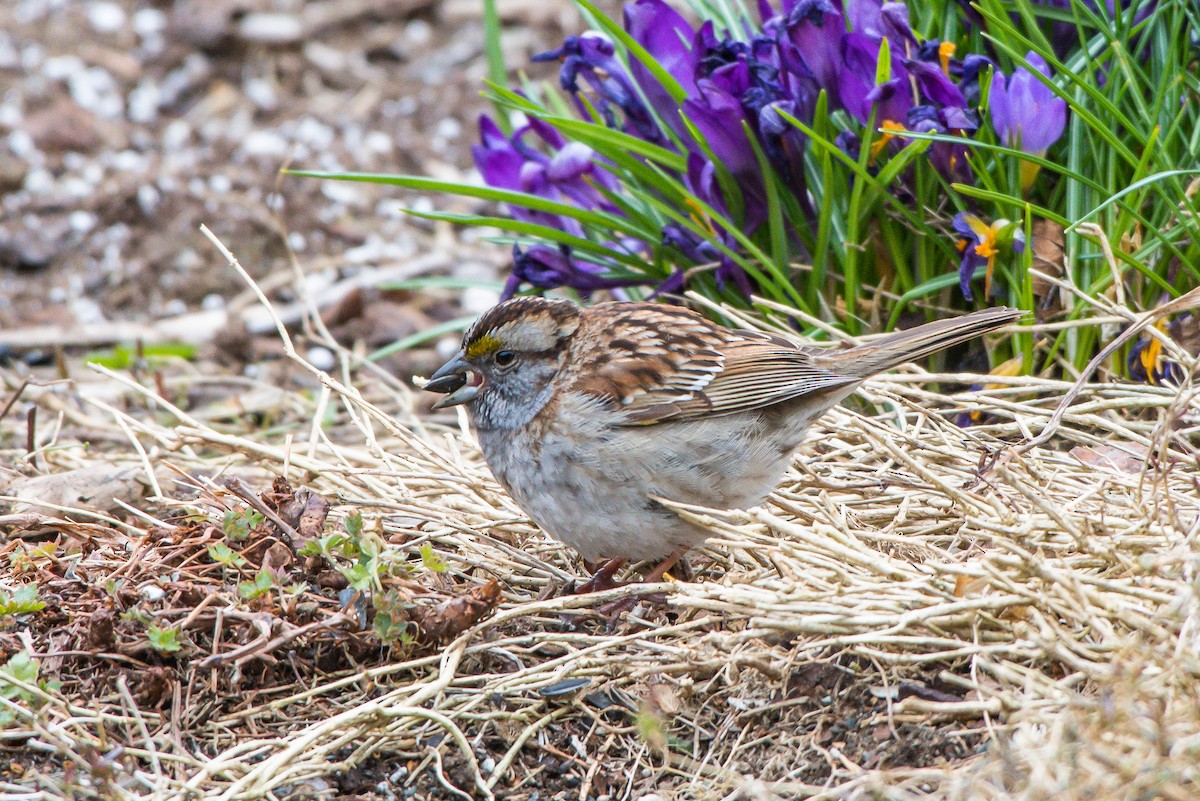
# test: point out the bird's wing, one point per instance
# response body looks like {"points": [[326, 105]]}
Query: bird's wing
{"points": [[663, 363]]}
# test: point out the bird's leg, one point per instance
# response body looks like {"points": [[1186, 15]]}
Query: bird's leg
{"points": [[661, 569], [602, 579]]}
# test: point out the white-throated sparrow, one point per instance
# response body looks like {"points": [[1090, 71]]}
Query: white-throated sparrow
{"points": [[587, 415]]}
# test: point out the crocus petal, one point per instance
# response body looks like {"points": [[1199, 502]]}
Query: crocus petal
{"points": [[718, 117], [815, 29], [546, 267], [936, 84], [496, 159], [667, 36], [571, 162], [1025, 112], [998, 107]]}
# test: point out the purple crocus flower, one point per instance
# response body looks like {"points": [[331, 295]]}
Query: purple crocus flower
{"points": [[703, 251], [948, 158], [1026, 113], [668, 37], [856, 81], [567, 173], [592, 56], [880, 20], [815, 29], [1148, 363], [547, 267], [980, 243]]}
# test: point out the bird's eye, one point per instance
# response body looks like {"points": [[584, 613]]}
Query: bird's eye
{"points": [[505, 357]]}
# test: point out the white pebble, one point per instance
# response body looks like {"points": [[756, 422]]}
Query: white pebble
{"points": [[32, 57], [96, 90], [10, 58], [144, 102], [271, 28], [21, 144], [128, 161], [264, 144], [152, 592], [176, 135], [418, 32], [448, 128], [38, 181], [447, 347], [378, 142], [149, 22], [86, 311], [315, 133], [106, 17], [81, 221], [60, 68], [147, 198], [342, 192], [321, 358], [10, 113], [261, 93]]}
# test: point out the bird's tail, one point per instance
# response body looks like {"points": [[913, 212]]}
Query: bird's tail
{"points": [[915, 343]]}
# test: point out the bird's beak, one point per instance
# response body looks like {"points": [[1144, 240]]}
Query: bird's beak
{"points": [[457, 381]]}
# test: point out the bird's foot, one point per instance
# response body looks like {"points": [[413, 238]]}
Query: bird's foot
{"points": [[604, 578]]}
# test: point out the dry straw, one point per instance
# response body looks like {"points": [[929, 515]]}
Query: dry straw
{"points": [[921, 611]]}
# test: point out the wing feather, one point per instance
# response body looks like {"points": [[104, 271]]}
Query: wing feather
{"points": [[666, 363]]}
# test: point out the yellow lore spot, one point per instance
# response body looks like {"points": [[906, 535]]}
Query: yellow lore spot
{"points": [[483, 345]]}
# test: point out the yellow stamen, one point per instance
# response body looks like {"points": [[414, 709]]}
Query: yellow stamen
{"points": [[1013, 366], [945, 51], [885, 137], [1152, 356], [699, 217]]}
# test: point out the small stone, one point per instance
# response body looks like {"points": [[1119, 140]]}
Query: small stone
{"points": [[264, 144], [147, 198], [106, 17], [149, 22], [321, 358], [271, 28], [64, 126], [81, 221]]}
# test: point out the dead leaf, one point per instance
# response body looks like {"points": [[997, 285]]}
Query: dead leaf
{"points": [[277, 559], [450, 617], [96, 489], [1048, 250], [661, 698], [1126, 458], [312, 519], [100, 628]]}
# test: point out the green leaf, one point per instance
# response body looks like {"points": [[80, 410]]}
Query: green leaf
{"points": [[494, 50], [22, 601], [222, 553], [257, 587], [163, 640], [432, 560]]}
